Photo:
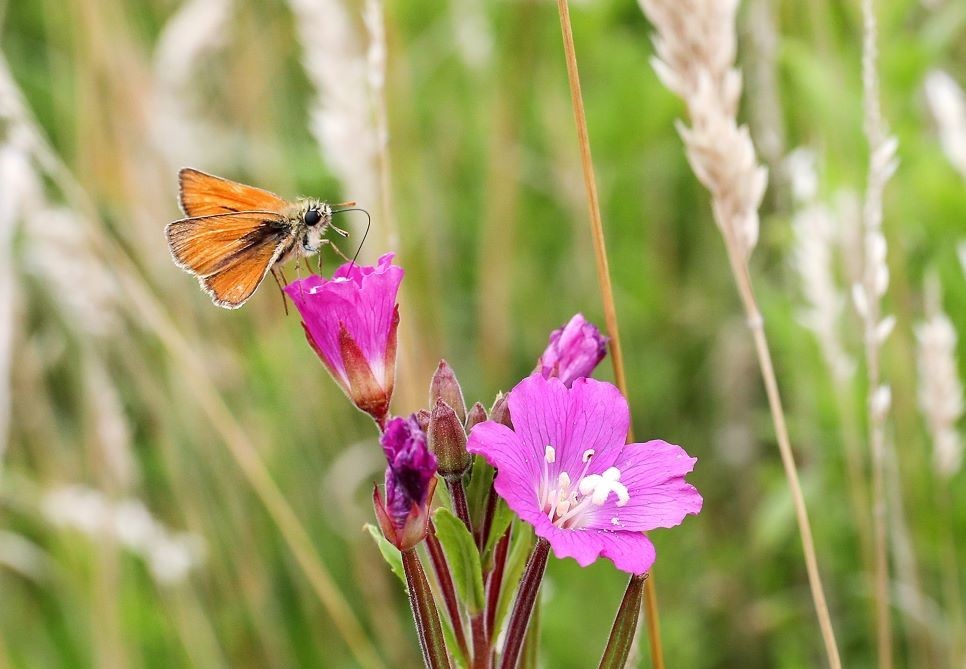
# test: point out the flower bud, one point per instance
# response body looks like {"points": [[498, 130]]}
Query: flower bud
{"points": [[447, 441], [422, 419], [476, 415], [573, 352], [446, 387], [500, 412], [410, 482]]}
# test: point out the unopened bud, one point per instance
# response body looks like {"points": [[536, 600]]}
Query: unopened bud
{"points": [[422, 418], [446, 387], [476, 415], [500, 412], [447, 441]]}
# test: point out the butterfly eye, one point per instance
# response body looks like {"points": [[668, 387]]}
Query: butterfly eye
{"points": [[312, 216]]}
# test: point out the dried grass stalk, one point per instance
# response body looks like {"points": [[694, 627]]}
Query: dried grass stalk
{"points": [[868, 295], [695, 47]]}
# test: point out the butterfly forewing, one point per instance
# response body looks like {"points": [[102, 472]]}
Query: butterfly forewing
{"points": [[204, 195], [206, 244]]}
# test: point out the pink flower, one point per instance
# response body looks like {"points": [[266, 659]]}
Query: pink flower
{"points": [[350, 321], [410, 482], [565, 469], [573, 352]]}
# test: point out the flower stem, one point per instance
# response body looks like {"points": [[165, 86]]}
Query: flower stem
{"points": [[625, 625], [603, 279], [481, 643], [457, 493], [483, 533], [523, 606], [531, 645], [495, 582], [421, 601], [445, 578]]}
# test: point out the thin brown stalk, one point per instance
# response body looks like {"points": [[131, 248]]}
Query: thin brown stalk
{"points": [[696, 46], [756, 324], [606, 289]]}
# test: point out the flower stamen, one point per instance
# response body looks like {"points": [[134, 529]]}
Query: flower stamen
{"points": [[566, 502]]}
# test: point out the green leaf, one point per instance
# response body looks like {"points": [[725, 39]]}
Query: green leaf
{"points": [[521, 541], [389, 553], [463, 559], [459, 660], [481, 480], [502, 517]]}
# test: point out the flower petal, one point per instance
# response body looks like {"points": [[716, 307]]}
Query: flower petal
{"points": [[362, 300], [540, 411], [631, 552], [653, 473], [518, 473], [598, 419]]}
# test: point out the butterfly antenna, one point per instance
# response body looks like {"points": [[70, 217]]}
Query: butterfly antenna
{"points": [[364, 235]]}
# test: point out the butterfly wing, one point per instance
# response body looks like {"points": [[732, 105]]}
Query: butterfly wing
{"points": [[229, 253], [231, 286], [206, 195]]}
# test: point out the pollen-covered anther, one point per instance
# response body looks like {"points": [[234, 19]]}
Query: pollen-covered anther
{"points": [[600, 486], [550, 454]]}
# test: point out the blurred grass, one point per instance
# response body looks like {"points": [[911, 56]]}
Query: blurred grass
{"points": [[487, 189]]}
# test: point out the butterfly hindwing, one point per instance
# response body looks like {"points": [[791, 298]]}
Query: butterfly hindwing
{"points": [[232, 285], [203, 194]]}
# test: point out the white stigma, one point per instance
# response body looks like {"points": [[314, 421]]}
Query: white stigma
{"points": [[600, 486], [570, 505]]}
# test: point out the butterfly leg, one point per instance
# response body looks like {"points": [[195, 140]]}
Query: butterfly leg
{"points": [[298, 266], [280, 281], [337, 250]]}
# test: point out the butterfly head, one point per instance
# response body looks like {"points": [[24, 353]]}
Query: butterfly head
{"points": [[314, 214]]}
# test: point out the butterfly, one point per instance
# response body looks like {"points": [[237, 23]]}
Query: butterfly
{"points": [[234, 234]]}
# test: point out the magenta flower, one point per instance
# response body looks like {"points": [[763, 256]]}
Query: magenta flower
{"points": [[410, 482], [573, 352], [565, 469], [351, 320]]}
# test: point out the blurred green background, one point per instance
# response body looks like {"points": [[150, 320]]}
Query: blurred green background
{"points": [[130, 534]]}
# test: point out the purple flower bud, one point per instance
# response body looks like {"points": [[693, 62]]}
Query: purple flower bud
{"points": [[411, 463], [410, 481], [573, 352]]}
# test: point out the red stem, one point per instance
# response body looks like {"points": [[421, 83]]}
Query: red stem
{"points": [[486, 522], [458, 494], [481, 644], [523, 606], [431, 640], [495, 582], [445, 578]]}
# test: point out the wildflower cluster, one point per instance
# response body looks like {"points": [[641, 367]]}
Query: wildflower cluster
{"points": [[548, 465]]}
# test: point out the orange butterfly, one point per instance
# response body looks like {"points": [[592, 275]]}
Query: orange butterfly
{"points": [[235, 234]]}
